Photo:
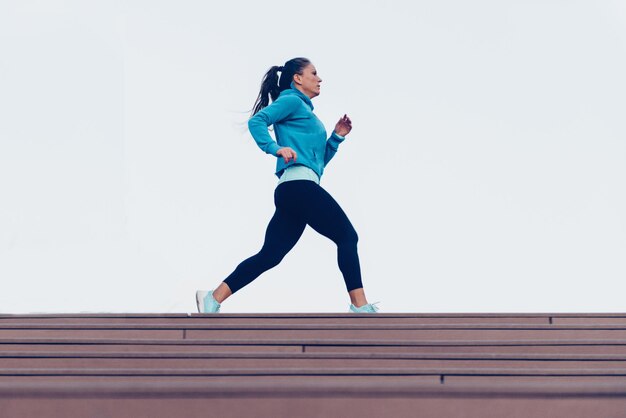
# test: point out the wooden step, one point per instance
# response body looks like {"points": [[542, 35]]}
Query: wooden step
{"points": [[327, 318], [600, 346], [309, 399], [213, 330], [336, 364], [282, 318], [216, 361]]}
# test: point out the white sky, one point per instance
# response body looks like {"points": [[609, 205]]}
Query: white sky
{"points": [[486, 170]]}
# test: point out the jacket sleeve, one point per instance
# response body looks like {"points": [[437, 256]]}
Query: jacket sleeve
{"points": [[332, 145], [279, 110]]}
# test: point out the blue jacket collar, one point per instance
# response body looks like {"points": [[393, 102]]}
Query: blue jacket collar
{"points": [[294, 90]]}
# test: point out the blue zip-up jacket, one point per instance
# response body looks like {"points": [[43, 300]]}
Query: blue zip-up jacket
{"points": [[297, 127]]}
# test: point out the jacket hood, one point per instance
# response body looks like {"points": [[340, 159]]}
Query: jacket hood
{"points": [[294, 91]]}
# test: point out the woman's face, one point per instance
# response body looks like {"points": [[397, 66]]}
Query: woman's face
{"points": [[308, 82]]}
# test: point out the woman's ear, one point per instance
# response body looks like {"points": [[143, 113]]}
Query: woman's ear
{"points": [[297, 78]]}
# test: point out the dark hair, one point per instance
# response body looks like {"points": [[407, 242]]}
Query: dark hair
{"points": [[271, 86]]}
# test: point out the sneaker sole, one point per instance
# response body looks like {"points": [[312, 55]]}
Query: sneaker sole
{"points": [[200, 295]]}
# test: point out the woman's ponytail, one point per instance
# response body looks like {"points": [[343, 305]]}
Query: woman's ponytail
{"points": [[271, 86], [269, 89]]}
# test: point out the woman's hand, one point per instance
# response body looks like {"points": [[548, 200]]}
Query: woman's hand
{"points": [[287, 154], [344, 126]]}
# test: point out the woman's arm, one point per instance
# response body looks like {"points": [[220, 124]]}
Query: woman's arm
{"points": [[332, 145], [342, 128], [280, 109]]}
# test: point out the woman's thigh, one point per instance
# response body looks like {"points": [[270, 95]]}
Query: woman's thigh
{"points": [[325, 216], [288, 222], [283, 232]]}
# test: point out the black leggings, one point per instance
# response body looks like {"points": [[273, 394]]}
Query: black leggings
{"points": [[298, 203]]}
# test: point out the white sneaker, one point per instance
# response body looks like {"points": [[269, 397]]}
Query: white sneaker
{"points": [[206, 303], [367, 308]]}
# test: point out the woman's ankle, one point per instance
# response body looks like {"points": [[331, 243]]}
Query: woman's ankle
{"points": [[221, 292], [357, 297]]}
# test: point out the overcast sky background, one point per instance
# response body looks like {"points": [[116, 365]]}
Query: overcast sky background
{"points": [[486, 169]]}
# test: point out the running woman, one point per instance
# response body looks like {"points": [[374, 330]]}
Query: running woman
{"points": [[302, 150]]}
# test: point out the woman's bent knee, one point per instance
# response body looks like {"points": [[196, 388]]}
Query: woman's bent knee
{"points": [[353, 237], [349, 239]]}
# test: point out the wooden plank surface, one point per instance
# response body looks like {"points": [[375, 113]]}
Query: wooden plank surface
{"points": [[314, 407], [137, 346], [593, 320], [214, 380], [495, 381], [316, 371], [284, 319], [275, 387], [415, 334], [305, 326], [469, 347], [91, 333], [452, 365], [319, 315], [282, 331], [78, 359], [310, 399], [7, 364], [598, 346]]}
